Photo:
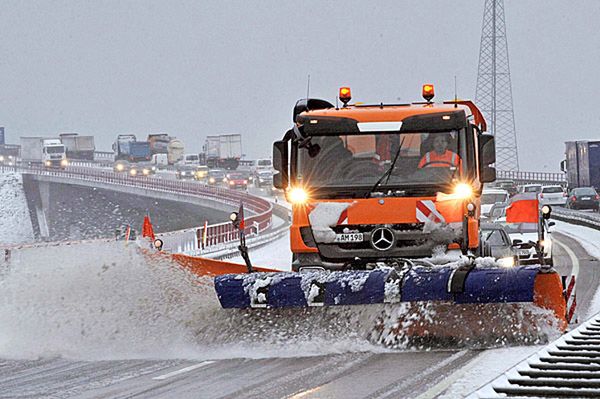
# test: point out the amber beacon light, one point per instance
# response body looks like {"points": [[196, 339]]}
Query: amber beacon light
{"points": [[345, 95], [428, 92]]}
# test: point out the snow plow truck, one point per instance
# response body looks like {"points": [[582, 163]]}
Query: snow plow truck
{"points": [[385, 208]]}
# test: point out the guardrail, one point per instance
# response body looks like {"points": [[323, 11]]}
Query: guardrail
{"points": [[188, 241], [533, 177], [572, 216]]}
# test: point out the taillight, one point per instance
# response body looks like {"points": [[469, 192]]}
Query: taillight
{"points": [[542, 195], [597, 197], [573, 198]]}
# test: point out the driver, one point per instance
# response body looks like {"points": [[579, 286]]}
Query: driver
{"points": [[440, 156]]}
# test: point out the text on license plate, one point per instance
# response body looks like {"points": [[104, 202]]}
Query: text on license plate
{"points": [[524, 252], [349, 237], [586, 198]]}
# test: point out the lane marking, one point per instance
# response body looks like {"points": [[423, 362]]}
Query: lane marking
{"points": [[183, 370], [440, 387], [574, 260]]}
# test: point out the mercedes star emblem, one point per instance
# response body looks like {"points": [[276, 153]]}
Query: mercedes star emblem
{"points": [[382, 238]]}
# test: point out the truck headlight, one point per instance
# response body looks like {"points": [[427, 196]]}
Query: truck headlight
{"points": [[211, 180], [133, 172], [64, 162], [48, 163], [298, 195], [463, 190], [120, 167]]}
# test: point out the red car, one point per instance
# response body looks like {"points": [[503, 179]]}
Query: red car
{"points": [[237, 180]]}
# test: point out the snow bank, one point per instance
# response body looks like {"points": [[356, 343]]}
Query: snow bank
{"points": [[589, 239], [15, 224]]}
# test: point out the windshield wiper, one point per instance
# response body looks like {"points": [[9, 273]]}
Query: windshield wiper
{"points": [[388, 172]]}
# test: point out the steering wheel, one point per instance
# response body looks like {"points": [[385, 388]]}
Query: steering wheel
{"points": [[450, 164]]}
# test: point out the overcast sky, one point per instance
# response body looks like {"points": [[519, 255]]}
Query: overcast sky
{"points": [[199, 68]]}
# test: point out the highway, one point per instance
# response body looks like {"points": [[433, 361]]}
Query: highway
{"points": [[259, 360]]}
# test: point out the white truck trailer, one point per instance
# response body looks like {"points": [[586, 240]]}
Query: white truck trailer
{"points": [[49, 152]]}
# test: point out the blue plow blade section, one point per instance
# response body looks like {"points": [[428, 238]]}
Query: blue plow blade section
{"points": [[362, 287]]}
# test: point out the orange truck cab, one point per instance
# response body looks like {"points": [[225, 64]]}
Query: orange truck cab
{"points": [[374, 183]]}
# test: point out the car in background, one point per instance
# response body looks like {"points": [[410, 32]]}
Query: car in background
{"points": [[497, 243], [186, 172], [530, 188], [526, 236], [201, 173], [9, 160], [264, 178], [236, 180], [509, 185], [583, 198], [216, 177], [489, 198], [145, 168], [553, 195], [121, 166]]}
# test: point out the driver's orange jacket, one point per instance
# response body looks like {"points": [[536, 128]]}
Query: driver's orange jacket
{"points": [[434, 160]]}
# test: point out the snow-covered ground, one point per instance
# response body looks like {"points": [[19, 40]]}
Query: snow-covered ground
{"points": [[276, 255], [15, 224], [589, 239]]}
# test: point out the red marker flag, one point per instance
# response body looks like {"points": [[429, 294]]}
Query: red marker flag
{"points": [[523, 209], [241, 217], [147, 230]]}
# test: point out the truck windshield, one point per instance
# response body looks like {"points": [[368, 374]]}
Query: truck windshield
{"points": [[57, 149], [361, 160]]}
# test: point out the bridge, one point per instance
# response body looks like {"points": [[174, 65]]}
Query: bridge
{"points": [[173, 203]]}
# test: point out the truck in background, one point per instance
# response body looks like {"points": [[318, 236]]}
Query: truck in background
{"points": [[121, 146], [175, 151], [126, 147], [582, 163], [78, 147], [223, 151], [159, 143], [49, 152]]}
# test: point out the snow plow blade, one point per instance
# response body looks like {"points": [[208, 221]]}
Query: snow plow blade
{"points": [[517, 285]]}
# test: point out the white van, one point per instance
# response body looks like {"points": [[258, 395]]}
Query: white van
{"points": [[160, 160], [191, 159]]}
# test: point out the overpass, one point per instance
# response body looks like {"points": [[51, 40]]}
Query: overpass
{"points": [[197, 203]]}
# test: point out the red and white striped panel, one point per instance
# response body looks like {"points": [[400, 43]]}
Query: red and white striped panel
{"points": [[343, 219], [426, 210], [571, 299]]}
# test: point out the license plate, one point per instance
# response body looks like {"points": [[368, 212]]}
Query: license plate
{"points": [[349, 237], [523, 252], [586, 198]]}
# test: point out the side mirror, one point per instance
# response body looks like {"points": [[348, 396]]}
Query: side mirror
{"points": [[487, 174], [487, 150], [550, 224], [280, 164], [563, 165], [516, 242]]}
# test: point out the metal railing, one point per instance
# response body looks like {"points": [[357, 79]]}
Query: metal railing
{"points": [[188, 241], [533, 177]]}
